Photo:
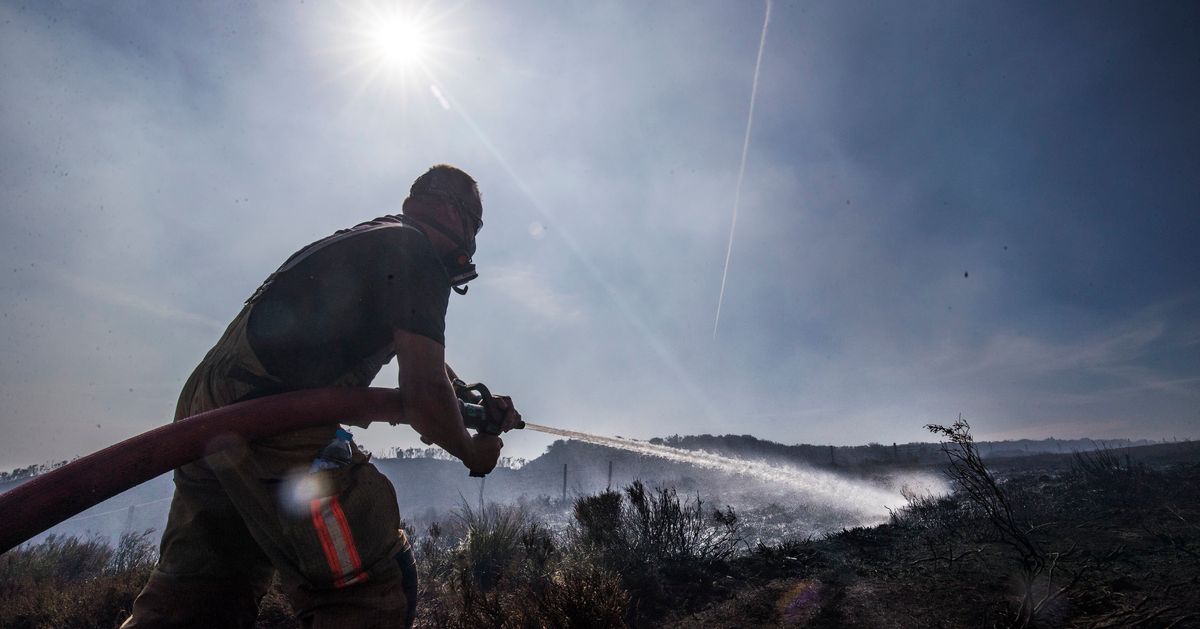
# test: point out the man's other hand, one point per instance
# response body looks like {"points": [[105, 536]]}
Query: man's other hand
{"points": [[503, 411], [483, 454]]}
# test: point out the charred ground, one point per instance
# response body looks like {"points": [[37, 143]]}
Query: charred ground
{"points": [[1107, 538]]}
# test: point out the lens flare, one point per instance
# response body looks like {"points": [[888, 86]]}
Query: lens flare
{"points": [[300, 489]]}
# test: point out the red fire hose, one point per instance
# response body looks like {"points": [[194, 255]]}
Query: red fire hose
{"points": [[57, 495]]}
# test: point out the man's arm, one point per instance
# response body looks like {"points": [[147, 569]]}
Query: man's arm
{"points": [[430, 406]]}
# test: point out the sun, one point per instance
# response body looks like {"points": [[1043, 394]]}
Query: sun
{"points": [[400, 42], [396, 48]]}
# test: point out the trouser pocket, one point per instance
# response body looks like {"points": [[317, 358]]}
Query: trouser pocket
{"points": [[346, 531]]}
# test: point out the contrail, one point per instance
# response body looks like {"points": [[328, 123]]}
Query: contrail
{"points": [[737, 195]]}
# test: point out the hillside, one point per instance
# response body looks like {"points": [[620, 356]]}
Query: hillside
{"points": [[427, 488]]}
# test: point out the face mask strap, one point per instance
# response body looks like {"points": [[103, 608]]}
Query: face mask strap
{"points": [[458, 262]]}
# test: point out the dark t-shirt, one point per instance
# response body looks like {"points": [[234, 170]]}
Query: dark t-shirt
{"points": [[332, 307]]}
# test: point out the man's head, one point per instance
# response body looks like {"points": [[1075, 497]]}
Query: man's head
{"points": [[446, 200]]}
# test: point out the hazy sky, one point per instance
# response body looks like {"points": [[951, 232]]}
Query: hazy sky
{"points": [[985, 208]]}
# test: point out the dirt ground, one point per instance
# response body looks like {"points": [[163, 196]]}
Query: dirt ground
{"points": [[1115, 536]]}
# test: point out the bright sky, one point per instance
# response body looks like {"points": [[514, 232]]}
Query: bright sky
{"points": [[975, 207]]}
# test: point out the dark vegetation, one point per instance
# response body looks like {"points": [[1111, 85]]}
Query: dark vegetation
{"points": [[1102, 538], [22, 473], [72, 583]]}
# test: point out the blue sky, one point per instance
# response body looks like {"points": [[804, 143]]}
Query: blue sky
{"points": [[981, 208]]}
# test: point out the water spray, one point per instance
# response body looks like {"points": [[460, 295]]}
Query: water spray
{"points": [[866, 498]]}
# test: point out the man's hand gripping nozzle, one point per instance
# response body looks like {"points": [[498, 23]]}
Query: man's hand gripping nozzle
{"points": [[479, 410]]}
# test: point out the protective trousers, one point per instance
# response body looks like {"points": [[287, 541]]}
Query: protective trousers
{"points": [[252, 509], [238, 516]]}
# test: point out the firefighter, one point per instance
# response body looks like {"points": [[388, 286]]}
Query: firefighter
{"points": [[332, 315]]}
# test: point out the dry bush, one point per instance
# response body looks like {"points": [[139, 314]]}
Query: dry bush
{"points": [[65, 582], [662, 526], [492, 546], [500, 567], [655, 525], [941, 525], [598, 519], [1038, 566], [1105, 469], [581, 593], [667, 550]]}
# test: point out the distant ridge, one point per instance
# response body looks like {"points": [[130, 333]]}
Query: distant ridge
{"points": [[428, 486]]}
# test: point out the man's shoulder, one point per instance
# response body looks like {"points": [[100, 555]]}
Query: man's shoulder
{"points": [[392, 228], [386, 242], [387, 237]]}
